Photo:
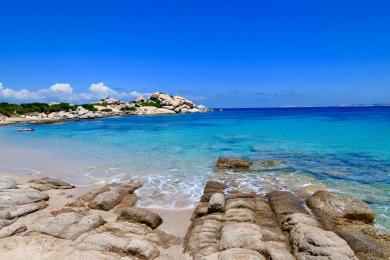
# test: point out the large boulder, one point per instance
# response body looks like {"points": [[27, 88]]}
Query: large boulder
{"points": [[226, 163], [333, 206], [310, 242], [140, 215], [70, 225], [14, 197], [286, 203]]}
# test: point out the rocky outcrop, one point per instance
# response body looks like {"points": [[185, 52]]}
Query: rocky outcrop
{"points": [[330, 205], [245, 228], [109, 197], [307, 238], [225, 163], [352, 220]]}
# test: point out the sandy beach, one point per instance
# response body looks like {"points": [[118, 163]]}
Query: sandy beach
{"points": [[37, 246]]}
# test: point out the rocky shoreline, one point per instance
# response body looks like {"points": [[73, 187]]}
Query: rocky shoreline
{"points": [[158, 104], [227, 223]]}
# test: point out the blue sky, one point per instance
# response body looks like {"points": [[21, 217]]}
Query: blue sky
{"points": [[219, 53]]}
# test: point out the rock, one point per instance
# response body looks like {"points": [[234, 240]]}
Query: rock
{"points": [[7, 183], [203, 235], [240, 215], [201, 108], [248, 203], [140, 215], [6, 222], [70, 225], [366, 241], [13, 197], [108, 197], [310, 242], [216, 203], [211, 188], [12, 230], [286, 203], [240, 254], [22, 210], [50, 183], [331, 205], [107, 242], [241, 235], [81, 111], [225, 163], [288, 222]]}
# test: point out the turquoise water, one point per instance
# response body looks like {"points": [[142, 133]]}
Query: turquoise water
{"points": [[347, 149]]}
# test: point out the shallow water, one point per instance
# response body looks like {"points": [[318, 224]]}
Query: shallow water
{"points": [[347, 149]]}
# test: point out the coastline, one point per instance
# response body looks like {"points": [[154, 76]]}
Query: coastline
{"points": [[226, 222]]}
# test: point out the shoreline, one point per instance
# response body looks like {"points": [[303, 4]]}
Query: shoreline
{"points": [[226, 222]]}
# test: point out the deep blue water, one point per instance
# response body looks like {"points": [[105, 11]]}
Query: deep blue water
{"points": [[347, 149]]}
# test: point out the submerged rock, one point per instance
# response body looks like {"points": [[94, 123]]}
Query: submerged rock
{"points": [[225, 163], [265, 164]]}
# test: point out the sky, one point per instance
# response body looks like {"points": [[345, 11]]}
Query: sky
{"points": [[217, 53]]}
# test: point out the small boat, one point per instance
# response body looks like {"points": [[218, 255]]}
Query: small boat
{"points": [[26, 130]]}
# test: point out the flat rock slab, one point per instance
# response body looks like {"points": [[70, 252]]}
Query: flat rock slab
{"points": [[309, 242], [70, 225], [46, 183], [121, 240], [332, 205], [140, 215], [13, 197], [288, 222], [7, 183]]}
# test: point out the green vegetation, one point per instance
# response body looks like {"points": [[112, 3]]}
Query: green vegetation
{"points": [[28, 108], [128, 108], [106, 110], [89, 107], [149, 103]]}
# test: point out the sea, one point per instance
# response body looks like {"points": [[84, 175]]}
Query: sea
{"points": [[346, 149]]}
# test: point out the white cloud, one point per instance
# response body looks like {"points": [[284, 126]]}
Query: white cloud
{"points": [[14, 94], [102, 90], [64, 92], [62, 88]]}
